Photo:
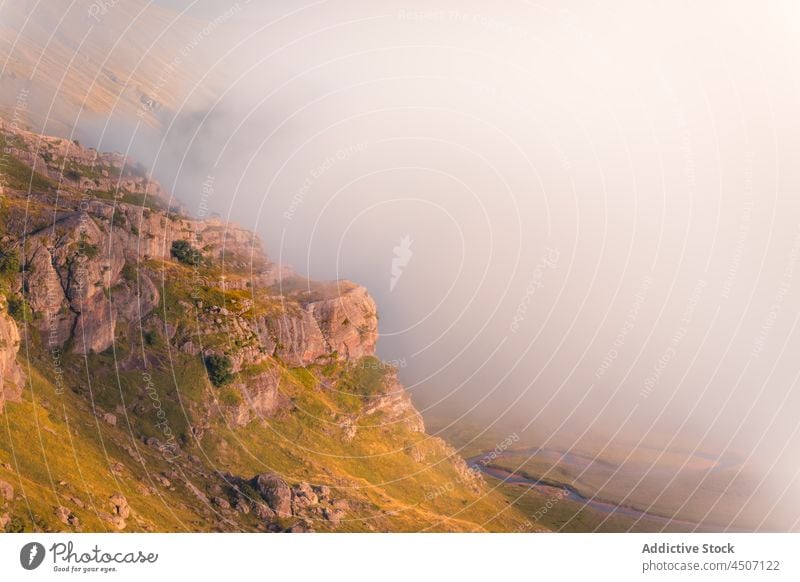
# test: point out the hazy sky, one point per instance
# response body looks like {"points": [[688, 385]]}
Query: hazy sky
{"points": [[599, 201]]}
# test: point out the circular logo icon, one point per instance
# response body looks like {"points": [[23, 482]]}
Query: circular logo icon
{"points": [[31, 555]]}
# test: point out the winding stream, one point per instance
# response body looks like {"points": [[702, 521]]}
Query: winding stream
{"points": [[479, 462]]}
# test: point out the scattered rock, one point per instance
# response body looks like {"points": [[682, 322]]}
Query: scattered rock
{"points": [[274, 490], [76, 501], [110, 418], [322, 491], [120, 510], [335, 516], [66, 517], [144, 489], [162, 480], [349, 429], [303, 496], [133, 454], [62, 513], [221, 502], [6, 491], [262, 511], [242, 505], [342, 504], [196, 492]]}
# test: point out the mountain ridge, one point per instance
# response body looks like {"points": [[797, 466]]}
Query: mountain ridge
{"points": [[178, 380]]}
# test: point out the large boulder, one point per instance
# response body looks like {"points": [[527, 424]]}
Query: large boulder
{"points": [[332, 319], [275, 491], [6, 491], [120, 510]]}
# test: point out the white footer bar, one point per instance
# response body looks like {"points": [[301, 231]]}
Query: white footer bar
{"points": [[373, 557]]}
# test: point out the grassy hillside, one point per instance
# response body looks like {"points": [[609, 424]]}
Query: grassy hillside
{"points": [[165, 427]]}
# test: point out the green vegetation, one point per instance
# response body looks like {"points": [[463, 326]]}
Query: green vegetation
{"points": [[9, 262], [18, 176], [18, 308], [151, 338], [118, 220], [143, 200], [9, 267], [80, 452], [397, 492], [230, 396], [129, 272], [90, 425], [220, 369], [88, 250], [366, 377], [185, 253]]}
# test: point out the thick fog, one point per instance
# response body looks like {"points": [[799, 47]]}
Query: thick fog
{"points": [[579, 220]]}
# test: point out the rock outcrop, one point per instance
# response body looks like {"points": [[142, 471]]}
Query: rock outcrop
{"points": [[10, 374], [65, 161], [274, 490], [209, 337], [336, 319], [70, 270], [120, 511], [395, 405], [262, 398], [6, 491]]}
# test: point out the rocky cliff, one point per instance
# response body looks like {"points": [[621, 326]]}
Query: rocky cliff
{"points": [[205, 387], [10, 374], [71, 165]]}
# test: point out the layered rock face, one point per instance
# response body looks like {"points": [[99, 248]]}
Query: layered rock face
{"points": [[66, 162], [85, 275], [396, 405], [11, 378], [70, 270], [74, 277], [343, 322], [216, 352]]}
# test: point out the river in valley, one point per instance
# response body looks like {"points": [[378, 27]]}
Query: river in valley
{"points": [[544, 485]]}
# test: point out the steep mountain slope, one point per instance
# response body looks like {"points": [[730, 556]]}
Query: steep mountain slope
{"points": [[159, 373]]}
